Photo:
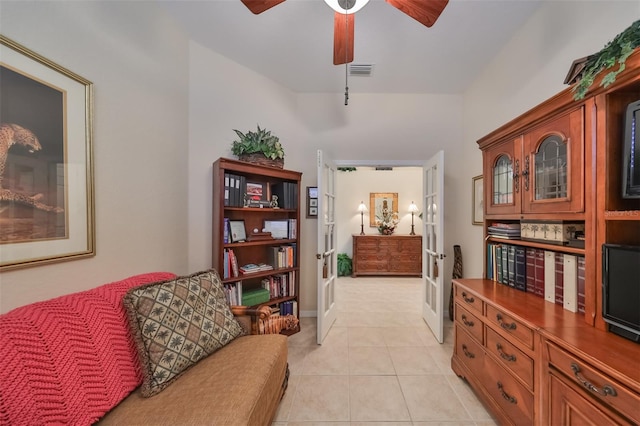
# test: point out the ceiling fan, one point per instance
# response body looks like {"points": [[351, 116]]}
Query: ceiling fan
{"points": [[424, 11]]}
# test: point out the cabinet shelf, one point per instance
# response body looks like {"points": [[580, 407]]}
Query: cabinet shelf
{"points": [[271, 242], [263, 210], [552, 247], [260, 274]]}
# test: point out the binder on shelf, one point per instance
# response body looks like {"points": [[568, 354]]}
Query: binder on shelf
{"points": [[232, 190], [226, 189], [570, 293], [550, 276], [559, 274]]}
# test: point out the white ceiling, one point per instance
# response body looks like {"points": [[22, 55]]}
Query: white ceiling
{"points": [[292, 43]]}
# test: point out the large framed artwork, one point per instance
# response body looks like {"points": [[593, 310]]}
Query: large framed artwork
{"points": [[380, 203], [46, 167]]}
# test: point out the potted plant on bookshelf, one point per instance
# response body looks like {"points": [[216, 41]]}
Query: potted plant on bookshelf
{"points": [[259, 147]]}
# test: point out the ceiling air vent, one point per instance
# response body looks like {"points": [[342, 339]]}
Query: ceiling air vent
{"points": [[360, 70], [385, 168]]}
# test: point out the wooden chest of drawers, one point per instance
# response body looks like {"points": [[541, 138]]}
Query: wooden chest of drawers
{"points": [[387, 255]]}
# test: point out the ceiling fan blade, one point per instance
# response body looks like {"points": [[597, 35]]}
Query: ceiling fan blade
{"points": [[343, 38], [259, 6], [424, 11]]}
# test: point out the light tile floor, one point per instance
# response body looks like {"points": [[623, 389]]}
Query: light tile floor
{"points": [[378, 365]]}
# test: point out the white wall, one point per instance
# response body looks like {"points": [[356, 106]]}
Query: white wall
{"points": [[353, 187], [531, 69], [137, 60]]}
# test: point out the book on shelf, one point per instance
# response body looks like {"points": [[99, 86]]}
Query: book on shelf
{"points": [[540, 273], [511, 265], [505, 225], [530, 279], [252, 268], [521, 269], [505, 264], [570, 283], [559, 275], [498, 263], [581, 283], [550, 276], [233, 293]]}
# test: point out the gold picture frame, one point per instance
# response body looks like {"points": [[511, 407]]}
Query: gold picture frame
{"points": [[477, 200], [376, 202], [47, 183]]}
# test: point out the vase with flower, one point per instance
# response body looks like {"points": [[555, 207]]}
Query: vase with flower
{"points": [[387, 220]]}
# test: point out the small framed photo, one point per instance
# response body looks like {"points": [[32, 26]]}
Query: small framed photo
{"points": [[256, 191], [279, 228], [477, 201], [237, 231], [312, 201]]}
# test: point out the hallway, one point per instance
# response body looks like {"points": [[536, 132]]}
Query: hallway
{"points": [[379, 364]]}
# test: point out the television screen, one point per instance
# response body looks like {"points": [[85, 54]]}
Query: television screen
{"points": [[631, 160], [621, 286]]}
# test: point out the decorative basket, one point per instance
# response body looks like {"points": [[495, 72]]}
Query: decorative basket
{"points": [[260, 159]]}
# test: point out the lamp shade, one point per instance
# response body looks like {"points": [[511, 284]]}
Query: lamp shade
{"points": [[413, 208], [362, 207], [335, 5]]}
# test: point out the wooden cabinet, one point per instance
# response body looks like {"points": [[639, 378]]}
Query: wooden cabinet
{"points": [[234, 183], [538, 171], [387, 255], [533, 362]]}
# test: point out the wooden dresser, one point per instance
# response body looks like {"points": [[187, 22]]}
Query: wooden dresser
{"points": [[533, 362], [387, 255]]}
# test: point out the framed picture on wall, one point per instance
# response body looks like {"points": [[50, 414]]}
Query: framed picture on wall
{"points": [[312, 202], [47, 160], [381, 202], [477, 200]]}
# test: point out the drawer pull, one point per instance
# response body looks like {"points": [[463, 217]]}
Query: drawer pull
{"points": [[506, 396], [606, 389], [467, 299], [504, 325], [466, 322], [467, 353], [503, 355]]}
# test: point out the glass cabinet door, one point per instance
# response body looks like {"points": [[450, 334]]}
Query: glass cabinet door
{"points": [[501, 171], [552, 172]]}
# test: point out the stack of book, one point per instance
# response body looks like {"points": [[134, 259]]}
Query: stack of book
{"points": [[252, 268], [509, 231]]}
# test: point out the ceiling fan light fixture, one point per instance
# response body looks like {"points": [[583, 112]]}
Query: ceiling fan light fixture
{"points": [[346, 6]]}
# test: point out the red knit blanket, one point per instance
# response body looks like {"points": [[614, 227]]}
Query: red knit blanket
{"points": [[69, 359]]}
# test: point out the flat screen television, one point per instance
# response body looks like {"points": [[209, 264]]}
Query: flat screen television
{"points": [[621, 289], [631, 152]]}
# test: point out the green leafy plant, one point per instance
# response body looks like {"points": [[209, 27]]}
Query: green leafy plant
{"points": [[346, 169], [615, 52], [345, 265], [261, 141]]}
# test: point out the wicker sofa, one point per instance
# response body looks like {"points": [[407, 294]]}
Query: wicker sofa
{"points": [[74, 360]]}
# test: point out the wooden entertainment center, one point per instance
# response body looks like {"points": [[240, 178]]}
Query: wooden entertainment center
{"points": [[531, 361]]}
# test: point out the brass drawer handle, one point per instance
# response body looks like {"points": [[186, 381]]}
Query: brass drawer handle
{"points": [[504, 325], [506, 396], [606, 389], [466, 322], [467, 353], [467, 299], [503, 355]]}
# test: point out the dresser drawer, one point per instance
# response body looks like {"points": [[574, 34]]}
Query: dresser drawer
{"points": [[469, 352], [469, 322], [596, 383], [514, 399], [469, 301], [512, 358], [510, 325]]}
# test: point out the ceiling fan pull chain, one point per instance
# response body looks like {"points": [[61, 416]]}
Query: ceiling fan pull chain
{"points": [[346, 65]]}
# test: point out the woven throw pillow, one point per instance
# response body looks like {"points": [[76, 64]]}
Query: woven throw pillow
{"points": [[176, 323]]}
